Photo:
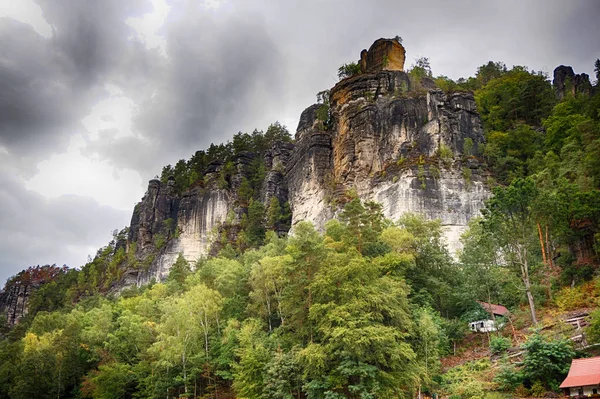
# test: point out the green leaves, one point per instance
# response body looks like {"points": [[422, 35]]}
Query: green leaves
{"points": [[547, 361]]}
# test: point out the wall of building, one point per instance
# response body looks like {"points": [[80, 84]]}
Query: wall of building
{"points": [[587, 390]]}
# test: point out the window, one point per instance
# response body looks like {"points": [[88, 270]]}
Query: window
{"points": [[580, 391], [594, 391]]}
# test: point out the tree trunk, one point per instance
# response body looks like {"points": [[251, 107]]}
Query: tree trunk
{"points": [[542, 244], [522, 252], [183, 360]]}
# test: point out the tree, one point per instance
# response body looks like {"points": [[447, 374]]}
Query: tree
{"points": [[179, 271], [185, 326], [508, 216], [547, 361], [420, 69], [348, 70], [490, 71], [307, 251], [517, 96], [253, 355], [361, 319], [255, 230]]}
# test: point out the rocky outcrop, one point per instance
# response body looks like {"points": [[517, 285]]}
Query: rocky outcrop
{"points": [[14, 298], [567, 82], [383, 55], [165, 224], [405, 144], [310, 170]]}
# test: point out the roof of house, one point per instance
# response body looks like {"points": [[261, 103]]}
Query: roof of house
{"points": [[583, 372], [495, 309]]}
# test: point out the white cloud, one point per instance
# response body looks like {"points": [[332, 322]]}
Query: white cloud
{"points": [[28, 12], [149, 25]]}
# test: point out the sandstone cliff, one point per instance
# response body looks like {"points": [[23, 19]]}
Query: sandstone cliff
{"points": [[14, 298], [165, 224], [382, 134], [412, 149]]}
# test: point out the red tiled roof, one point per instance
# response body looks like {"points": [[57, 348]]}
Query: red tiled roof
{"points": [[583, 372], [495, 309]]}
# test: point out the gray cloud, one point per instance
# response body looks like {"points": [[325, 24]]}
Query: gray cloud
{"points": [[48, 85], [223, 71], [64, 230]]}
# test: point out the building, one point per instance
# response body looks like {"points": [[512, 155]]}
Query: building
{"points": [[489, 325], [583, 377]]}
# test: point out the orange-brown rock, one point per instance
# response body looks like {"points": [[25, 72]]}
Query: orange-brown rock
{"points": [[383, 55]]}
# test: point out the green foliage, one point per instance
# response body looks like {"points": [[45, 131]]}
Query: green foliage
{"points": [[547, 361], [514, 97], [593, 330], [509, 217], [468, 147], [445, 153], [508, 377], [499, 344], [465, 381], [348, 70]]}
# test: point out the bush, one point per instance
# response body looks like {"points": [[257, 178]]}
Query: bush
{"points": [[508, 378], [576, 297], [537, 390], [348, 70], [521, 391], [499, 344], [547, 361], [445, 152]]}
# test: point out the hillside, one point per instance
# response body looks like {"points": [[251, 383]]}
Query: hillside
{"points": [[348, 261]]}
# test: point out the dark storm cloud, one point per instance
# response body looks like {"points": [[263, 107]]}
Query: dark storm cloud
{"points": [[223, 70], [36, 230], [48, 85]]}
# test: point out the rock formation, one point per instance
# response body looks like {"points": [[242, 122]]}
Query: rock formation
{"points": [[403, 143], [567, 82], [14, 298], [165, 224], [383, 55], [394, 141]]}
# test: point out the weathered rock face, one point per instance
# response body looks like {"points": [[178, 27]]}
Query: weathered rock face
{"points": [[404, 144], [14, 298], [309, 171], [567, 82], [383, 55], [411, 151], [165, 224]]}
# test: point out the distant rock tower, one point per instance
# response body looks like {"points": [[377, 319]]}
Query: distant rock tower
{"points": [[383, 55], [567, 82]]}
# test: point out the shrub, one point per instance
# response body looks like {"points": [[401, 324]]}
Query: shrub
{"points": [[508, 378], [570, 298], [537, 390], [348, 70], [521, 391], [499, 344], [445, 152], [468, 147], [547, 361]]}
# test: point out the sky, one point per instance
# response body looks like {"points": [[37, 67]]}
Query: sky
{"points": [[97, 96]]}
